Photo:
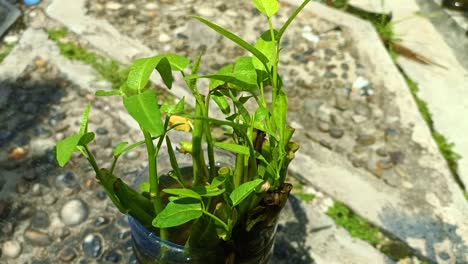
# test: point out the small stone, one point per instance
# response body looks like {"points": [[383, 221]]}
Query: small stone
{"points": [[11, 249], [382, 152], [100, 221], [362, 110], [391, 134], [101, 195], [24, 212], [311, 105], [22, 187], [341, 103], [358, 119], [121, 128], [113, 256], [40, 220], [39, 62], [66, 180], [123, 221], [325, 144], [92, 245], [103, 141], [30, 176], [336, 132], [365, 140], [7, 229], [67, 254], [74, 212], [151, 6], [49, 199], [36, 189], [164, 38], [323, 126], [206, 12], [37, 238], [324, 113], [113, 6], [397, 157], [101, 131], [131, 155], [330, 75], [384, 164], [125, 235], [17, 153]]}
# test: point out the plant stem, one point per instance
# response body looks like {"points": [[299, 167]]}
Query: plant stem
{"points": [[113, 165], [92, 160], [153, 179], [209, 140], [216, 219]]}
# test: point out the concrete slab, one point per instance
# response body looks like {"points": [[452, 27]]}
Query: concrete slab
{"points": [[315, 238], [444, 90], [431, 220]]}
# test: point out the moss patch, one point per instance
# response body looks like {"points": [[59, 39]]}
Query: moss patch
{"points": [[305, 196], [4, 51], [445, 147], [357, 226], [108, 68]]}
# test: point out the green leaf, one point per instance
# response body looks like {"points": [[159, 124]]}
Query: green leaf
{"points": [[144, 109], [183, 192], [243, 191], [217, 181], [119, 149], [290, 19], [224, 70], [176, 174], [145, 187], [279, 112], [260, 114], [174, 109], [222, 102], [65, 148], [178, 212], [141, 69], [238, 149], [267, 7], [268, 47], [244, 44], [140, 72], [208, 191], [84, 119], [86, 139], [242, 80], [164, 69], [177, 62], [108, 93]]}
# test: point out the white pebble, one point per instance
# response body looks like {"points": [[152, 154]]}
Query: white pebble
{"points": [[113, 6], [164, 37], [10, 39], [151, 6], [74, 212], [11, 249]]}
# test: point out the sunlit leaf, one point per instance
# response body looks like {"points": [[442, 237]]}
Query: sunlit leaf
{"points": [[238, 149], [243, 191], [178, 212], [108, 93], [267, 7], [244, 44], [65, 148], [144, 109]]}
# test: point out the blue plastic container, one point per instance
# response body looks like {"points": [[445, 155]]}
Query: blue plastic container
{"points": [[255, 247]]}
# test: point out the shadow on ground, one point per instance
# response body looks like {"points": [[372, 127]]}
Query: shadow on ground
{"points": [[290, 245], [423, 227], [29, 115]]}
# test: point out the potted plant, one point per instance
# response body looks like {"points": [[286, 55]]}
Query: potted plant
{"points": [[206, 213]]}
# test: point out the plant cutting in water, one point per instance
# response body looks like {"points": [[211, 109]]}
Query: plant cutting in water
{"points": [[248, 194]]}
